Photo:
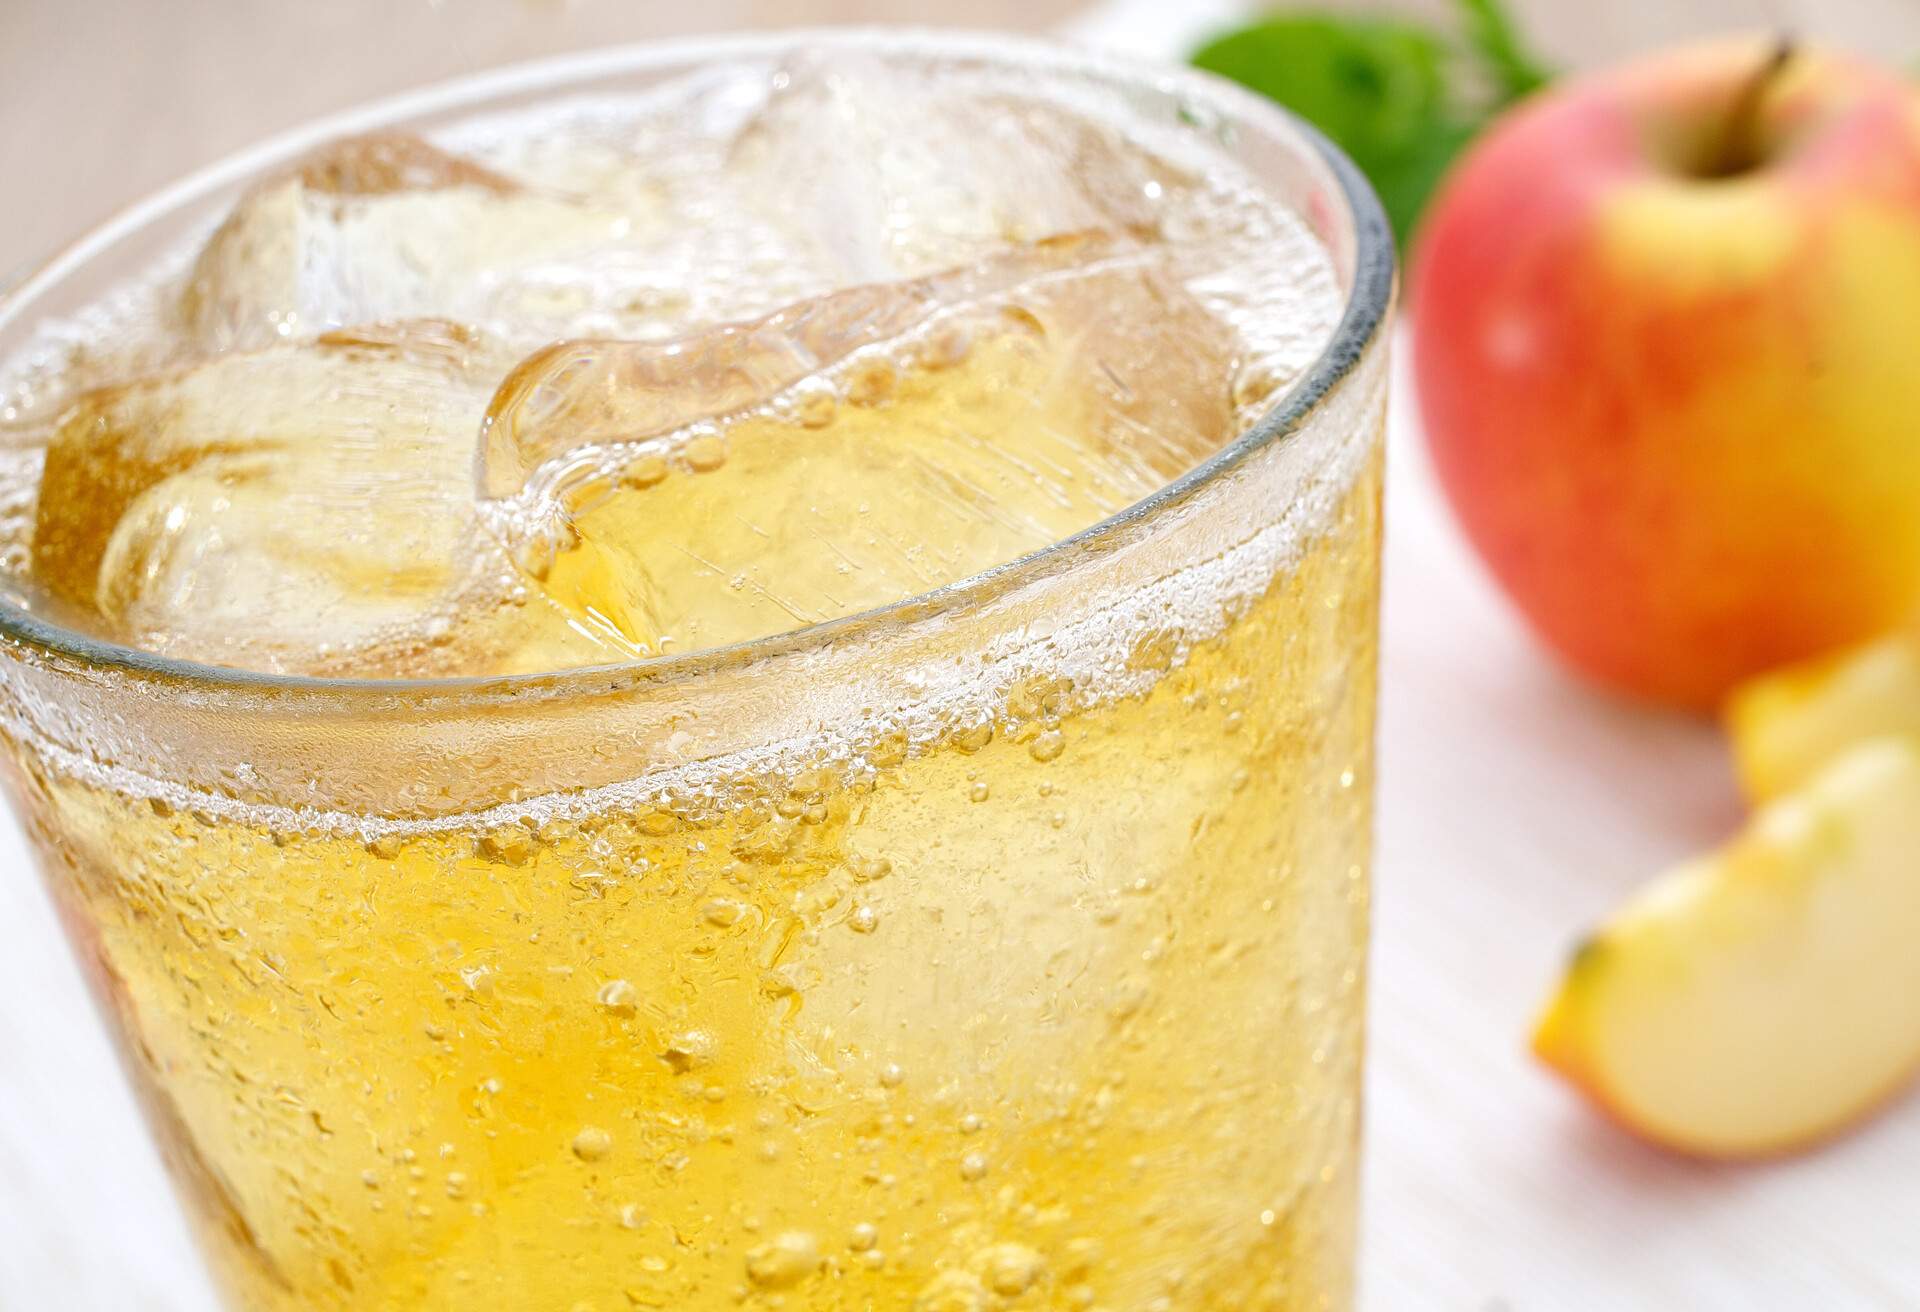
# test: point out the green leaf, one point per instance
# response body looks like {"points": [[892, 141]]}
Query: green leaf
{"points": [[1376, 87], [1406, 182], [1386, 91], [1492, 36]]}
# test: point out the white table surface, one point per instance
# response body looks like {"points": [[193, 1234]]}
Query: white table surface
{"points": [[1515, 808]]}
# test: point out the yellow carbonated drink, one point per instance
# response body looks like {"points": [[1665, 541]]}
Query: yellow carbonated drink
{"points": [[743, 681]]}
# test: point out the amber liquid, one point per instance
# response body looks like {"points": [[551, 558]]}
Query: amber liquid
{"points": [[1066, 1014]]}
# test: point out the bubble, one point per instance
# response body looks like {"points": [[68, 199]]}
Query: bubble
{"points": [[973, 1166], [866, 869], [978, 793], [1047, 746], [972, 738], [891, 1075], [863, 1237], [944, 347], [643, 472], [1010, 1269], [722, 912], [632, 1216], [972, 1123], [511, 844], [385, 847], [786, 1260], [592, 1144], [870, 382], [952, 1291], [814, 406], [689, 1049], [705, 453], [618, 995]]}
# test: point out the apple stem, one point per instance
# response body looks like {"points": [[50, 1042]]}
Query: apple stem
{"points": [[1738, 148]]}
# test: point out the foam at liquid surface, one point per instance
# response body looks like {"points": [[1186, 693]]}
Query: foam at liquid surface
{"points": [[265, 459]]}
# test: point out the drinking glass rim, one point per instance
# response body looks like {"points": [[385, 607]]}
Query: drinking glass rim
{"points": [[1361, 318]]}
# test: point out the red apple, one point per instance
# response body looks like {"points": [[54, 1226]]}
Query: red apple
{"points": [[1667, 342]]}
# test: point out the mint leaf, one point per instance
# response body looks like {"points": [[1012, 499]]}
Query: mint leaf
{"points": [[1407, 181], [1492, 36], [1376, 87], [1388, 92]]}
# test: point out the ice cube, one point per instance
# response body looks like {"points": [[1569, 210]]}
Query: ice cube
{"points": [[274, 508], [389, 228], [383, 162], [259, 564], [856, 449], [893, 175]]}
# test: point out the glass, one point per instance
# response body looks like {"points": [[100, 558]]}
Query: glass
{"points": [[766, 976]]}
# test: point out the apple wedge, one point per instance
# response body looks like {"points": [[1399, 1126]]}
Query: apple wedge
{"points": [[1785, 726], [1766, 996]]}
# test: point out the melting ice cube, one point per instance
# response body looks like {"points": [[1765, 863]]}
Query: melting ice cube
{"points": [[276, 508], [379, 229], [854, 449]]}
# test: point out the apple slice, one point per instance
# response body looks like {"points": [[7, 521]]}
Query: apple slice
{"points": [[1787, 725], [1763, 997]]}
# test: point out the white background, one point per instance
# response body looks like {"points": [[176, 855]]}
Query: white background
{"points": [[1515, 809]]}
